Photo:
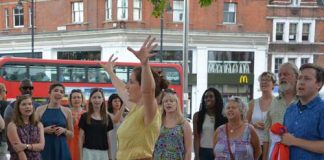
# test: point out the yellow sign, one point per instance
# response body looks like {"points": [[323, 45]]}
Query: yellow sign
{"points": [[244, 79]]}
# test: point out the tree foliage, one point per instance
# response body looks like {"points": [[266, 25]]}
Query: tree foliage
{"points": [[160, 5]]}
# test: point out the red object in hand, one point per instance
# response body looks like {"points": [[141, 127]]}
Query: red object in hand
{"points": [[280, 151]]}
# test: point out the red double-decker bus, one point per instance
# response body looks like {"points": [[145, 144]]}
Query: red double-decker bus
{"points": [[73, 74]]}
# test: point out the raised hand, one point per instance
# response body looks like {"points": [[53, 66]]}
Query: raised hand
{"points": [[144, 53], [109, 67]]}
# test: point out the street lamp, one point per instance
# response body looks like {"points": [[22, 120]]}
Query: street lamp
{"points": [[168, 10], [20, 6]]}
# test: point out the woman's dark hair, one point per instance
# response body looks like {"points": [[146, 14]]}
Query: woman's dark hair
{"points": [[53, 85], [160, 82], [111, 98], [219, 105], [103, 110], [75, 91]]}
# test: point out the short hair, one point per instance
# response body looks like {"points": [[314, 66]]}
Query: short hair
{"points": [[243, 107], [268, 74], [75, 91], [292, 66], [319, 75]]}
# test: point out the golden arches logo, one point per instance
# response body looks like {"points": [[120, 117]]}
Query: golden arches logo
{"points": [[244, 79]]}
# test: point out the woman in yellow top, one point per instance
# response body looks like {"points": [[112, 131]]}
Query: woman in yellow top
{"points": [[138, 133]]}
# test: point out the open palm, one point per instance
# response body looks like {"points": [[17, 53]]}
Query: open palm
{"points": [[109, 66], [144, 53]]}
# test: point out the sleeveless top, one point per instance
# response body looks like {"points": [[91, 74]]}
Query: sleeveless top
{"points": [[241, 146], [258, 115], [207, 132], [74, 141], [56, 147], [28, 134], [135, 140], [170, 144]]}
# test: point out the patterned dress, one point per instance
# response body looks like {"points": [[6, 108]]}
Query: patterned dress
{"points": [[170, 144], [241, 146], [28, 134]]}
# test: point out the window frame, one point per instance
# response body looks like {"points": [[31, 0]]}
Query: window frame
{"points": [[137, 10], [79, 12], [20, 16], [6, 15], [177, 14], [122, 9], [228, 13], [108, 9]]}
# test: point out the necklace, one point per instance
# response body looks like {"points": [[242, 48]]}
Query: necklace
{"points": [[233, 129]]}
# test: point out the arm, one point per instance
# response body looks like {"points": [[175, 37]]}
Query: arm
{"points": [[250, 111], [38, 114], [255, 144], [117, 83], [81, 141], [116, 118], [68, 131], [15, 140], [39, 146], [109, 145], [8, 113], [215, 138], [313, 146], [2, 123], [196, 136], [147, 84], [187, 140], [266, 139]]}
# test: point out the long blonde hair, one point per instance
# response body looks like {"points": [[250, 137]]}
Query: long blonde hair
{"points": [[170, 93]]}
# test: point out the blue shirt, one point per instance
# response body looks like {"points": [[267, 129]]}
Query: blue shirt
{"points": [[306, 122]]}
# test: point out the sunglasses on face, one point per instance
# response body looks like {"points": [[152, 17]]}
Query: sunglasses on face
{"points": [[26, 88]]}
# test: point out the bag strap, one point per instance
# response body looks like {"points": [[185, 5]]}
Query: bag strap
{"points": [[228, 144]]}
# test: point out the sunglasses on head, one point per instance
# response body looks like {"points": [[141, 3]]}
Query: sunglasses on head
{"points": [[169, 90], [27, 87]]}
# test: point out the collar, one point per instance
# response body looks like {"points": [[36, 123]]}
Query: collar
{"points": [[310, 104]]}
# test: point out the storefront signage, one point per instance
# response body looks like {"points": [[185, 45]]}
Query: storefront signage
{"points": [[229, 67], [244, 79]]}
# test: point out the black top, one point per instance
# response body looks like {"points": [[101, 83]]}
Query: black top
{"points": [[95, 133]]}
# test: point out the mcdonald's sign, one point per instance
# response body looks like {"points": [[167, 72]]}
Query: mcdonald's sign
{"points": [[244, 79]]}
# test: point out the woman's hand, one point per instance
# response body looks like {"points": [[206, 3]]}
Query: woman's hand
{"points": [[18, 147], [259, 125], [109, 67], [50, 129], [144, 53], [59, 130]]}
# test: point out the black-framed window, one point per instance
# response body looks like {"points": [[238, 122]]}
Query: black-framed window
{"points": [[79, 55], [306, 31], [279, 31]]}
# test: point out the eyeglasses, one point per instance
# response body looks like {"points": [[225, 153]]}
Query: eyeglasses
{"points": [[169, 90], [27, 87]]}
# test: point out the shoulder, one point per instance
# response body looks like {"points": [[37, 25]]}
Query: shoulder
{"points": [[12, 125], [186, 126], [66, 110]]}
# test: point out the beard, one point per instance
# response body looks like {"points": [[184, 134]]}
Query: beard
{"points": [[285, 87]]}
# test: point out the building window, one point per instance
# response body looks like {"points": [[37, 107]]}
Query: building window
{"points": [[30, 17], [108, 10], [178, 10], [279, 31], [304, 61], [295, 2], [305, 34], [18, 17], [77, 12], [278, 62], [292, 60], [122, 12], [137, 10], [229, 12], [7, 17], [292, 31]]}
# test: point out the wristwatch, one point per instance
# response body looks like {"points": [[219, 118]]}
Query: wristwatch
{"points": [[27, 146]]}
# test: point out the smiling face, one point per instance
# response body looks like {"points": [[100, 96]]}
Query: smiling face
{"points": [[56, 94], [133, 89], [307, 86], [209, 99], [97, 99], [266, 83], [233, 110], [26, 107]]}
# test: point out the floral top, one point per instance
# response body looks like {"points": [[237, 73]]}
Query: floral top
{"points": [[28, 134], [170, 144], [241, 146]]}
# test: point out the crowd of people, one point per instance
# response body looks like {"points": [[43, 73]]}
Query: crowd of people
{"points": [[144, 121]]}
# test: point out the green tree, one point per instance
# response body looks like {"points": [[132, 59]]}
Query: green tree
{"points": [[160, 5]]}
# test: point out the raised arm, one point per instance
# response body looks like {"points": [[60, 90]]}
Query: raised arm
{"points": [[196, 136], [147, 84], [117, 83]]}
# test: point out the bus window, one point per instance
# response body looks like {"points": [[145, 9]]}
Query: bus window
{"points": [[14, 72], [98, 75], [42, 73], [172, 75], [72, 74], [123, 72]]}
